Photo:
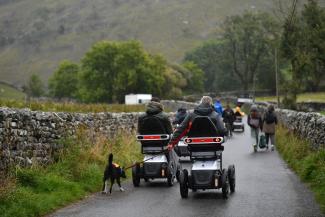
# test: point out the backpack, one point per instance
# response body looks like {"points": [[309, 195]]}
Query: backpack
{"points": [[269, 118]]}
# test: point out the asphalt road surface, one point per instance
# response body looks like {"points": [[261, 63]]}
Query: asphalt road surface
{"points": [[265, 187]]}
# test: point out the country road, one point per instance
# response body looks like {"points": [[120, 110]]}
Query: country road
{"points": [[265, 187]]}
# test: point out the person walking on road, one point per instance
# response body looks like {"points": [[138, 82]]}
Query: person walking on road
{"points": [[229, 117], [269, 122], [218, 107], [254, 120]]}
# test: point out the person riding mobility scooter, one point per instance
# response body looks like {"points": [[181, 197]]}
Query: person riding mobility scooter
{"points": [[154, 130], [238, 123], [181, 148], [204, 131]]}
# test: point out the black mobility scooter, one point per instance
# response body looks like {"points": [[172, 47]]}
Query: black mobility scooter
{"points": [[205, 147], [157, 162]]}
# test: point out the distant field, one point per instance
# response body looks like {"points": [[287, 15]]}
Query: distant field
{"points": [[71, 107], [7, 92], [305, 97]]}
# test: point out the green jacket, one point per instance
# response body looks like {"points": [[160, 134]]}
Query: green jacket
{"points": [[155, 109]]}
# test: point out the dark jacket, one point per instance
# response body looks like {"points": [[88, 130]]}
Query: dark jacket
{"points": [[180, 116], [201, 110], [228, 116], [269, 122], [156, 109], [255, 121]]}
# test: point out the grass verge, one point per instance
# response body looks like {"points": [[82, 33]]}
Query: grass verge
{"points": [[307, 163], [71, 107], [77, 172], [304, 97]]}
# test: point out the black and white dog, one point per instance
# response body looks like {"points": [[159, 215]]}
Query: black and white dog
{"points": [[112, 172]]}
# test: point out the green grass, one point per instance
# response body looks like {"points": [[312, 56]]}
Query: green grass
{"points": [[307, 163], [71, 107], [322, 112], [305, 97], [78, 172], [7, 92]]}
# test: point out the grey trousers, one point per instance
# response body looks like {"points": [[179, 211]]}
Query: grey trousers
{"points": [[255, 134], [271, 137]]}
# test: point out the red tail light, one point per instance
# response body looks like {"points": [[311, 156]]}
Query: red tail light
{"points": [[203, 140], [153, 137]]}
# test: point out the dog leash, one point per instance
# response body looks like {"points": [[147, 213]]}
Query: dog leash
{"points": [[133, 165]]}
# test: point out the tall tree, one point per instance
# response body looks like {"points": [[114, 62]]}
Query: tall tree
{"points": [[302, 44], [313, 35], [248, 40], [194, 76], [112, 69], [64, 82], [211, 59], [35, 87]]}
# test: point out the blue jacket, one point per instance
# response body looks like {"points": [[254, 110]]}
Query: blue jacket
{"points": [[218, 107]]}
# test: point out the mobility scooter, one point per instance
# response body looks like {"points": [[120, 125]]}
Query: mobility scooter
{"points": [[239, 124], [207, 172], [157, 163], [182, 149]]}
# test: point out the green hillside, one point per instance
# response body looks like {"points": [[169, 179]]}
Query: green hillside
{"points": [[8, 92], [37, 34]]}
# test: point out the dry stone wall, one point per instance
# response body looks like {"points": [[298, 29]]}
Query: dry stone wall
{"points": [[28, 136], [173, 105], [308, 125]]}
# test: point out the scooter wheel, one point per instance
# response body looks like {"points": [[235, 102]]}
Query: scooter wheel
{"points": [[225, 184], [135, 176], [232, 178], [183, 184]]}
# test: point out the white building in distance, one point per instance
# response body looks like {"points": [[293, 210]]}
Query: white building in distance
{"points": [[133, 99]]}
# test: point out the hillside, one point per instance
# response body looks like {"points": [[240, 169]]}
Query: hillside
{"points": [[8, 92], [37, 34]]}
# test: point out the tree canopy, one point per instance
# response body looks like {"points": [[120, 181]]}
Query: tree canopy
{"points": [[64, 81], [303, 45], [242, 54], [35, 87], [112, 69], [248, 42]]}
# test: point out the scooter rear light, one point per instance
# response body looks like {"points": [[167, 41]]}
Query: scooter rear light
{"points": [[203, 140], [153, 137], [218, 139]]}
